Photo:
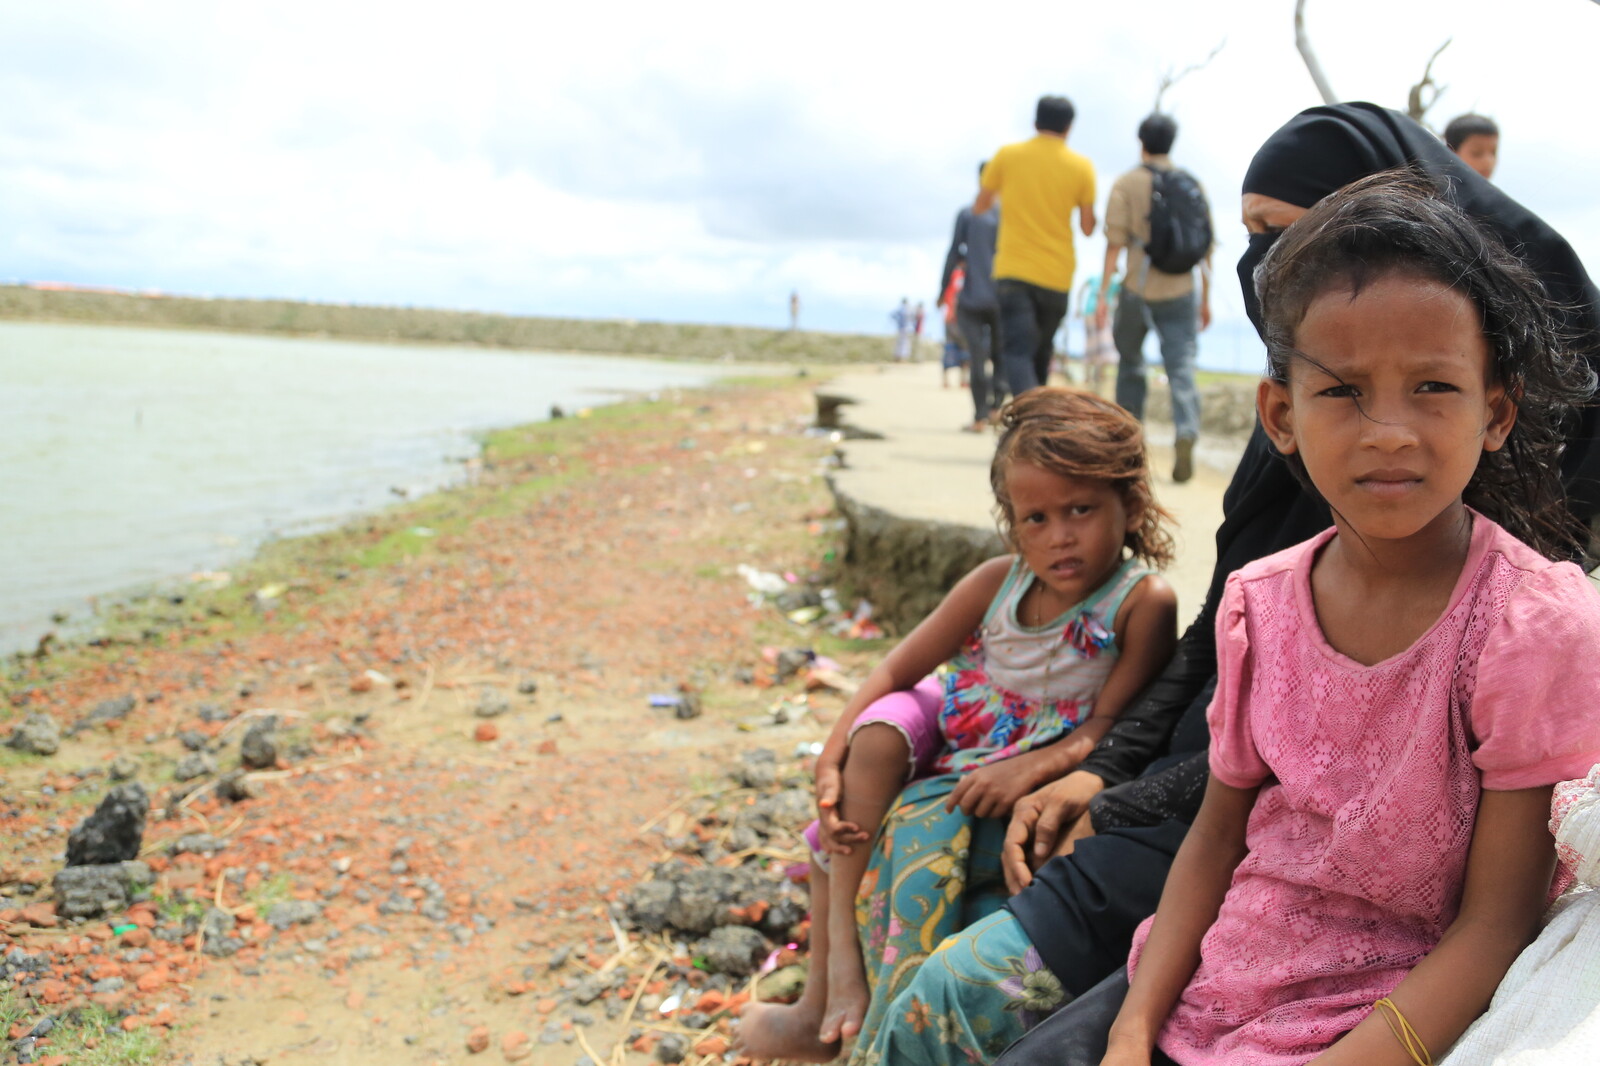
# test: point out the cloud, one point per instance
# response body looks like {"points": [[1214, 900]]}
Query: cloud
{"points": [[682, 161]]}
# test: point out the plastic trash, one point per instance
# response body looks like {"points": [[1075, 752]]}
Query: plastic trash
{"points": [[762, 581]]}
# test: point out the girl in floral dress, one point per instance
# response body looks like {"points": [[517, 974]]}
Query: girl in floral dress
{"points": [[1044, 648]]}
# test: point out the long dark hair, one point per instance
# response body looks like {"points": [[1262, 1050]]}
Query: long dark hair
{"points": [[1396, 222]]}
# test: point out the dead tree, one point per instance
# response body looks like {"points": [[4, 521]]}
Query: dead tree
{"points": [[1303, 42], [1169, 79], [1416, 106]]}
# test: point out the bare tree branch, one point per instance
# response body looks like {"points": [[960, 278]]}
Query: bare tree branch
{"points": [[1169, 79], [1416, 106], [1303, 42]]}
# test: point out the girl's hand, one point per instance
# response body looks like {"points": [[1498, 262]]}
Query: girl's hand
{"points": [[1039, 823], [834, 833], [990, 791]]}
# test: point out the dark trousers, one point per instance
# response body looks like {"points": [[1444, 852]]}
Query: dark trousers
{"points": [[1076, 1034], [981, 330], [1029, 318]]}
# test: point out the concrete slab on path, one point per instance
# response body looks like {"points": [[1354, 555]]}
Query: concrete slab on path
{"points": [[926, 468]]}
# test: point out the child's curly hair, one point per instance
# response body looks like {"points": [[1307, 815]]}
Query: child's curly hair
{"points": [[1077, 434], [1397, 222]]}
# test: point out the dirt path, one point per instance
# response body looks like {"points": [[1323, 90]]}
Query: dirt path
{"points": [[454, 870]]}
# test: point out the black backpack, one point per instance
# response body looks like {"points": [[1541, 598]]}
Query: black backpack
{"points": [[1180, 221]]}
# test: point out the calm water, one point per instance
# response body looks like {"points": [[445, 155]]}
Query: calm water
{"points": [[132, 456]]}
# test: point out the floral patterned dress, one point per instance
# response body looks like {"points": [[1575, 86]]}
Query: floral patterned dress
{"points": [[1011, 688]]}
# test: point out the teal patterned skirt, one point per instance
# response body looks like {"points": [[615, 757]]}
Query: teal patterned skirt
{"points": [[932, 875]]}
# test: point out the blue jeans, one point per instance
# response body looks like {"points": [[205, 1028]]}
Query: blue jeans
{"points": [[1029, 317], [1176, 322]]}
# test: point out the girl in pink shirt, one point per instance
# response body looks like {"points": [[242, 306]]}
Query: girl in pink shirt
{"points": [[1397, 696]]}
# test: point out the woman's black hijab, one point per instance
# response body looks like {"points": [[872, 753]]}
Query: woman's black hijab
{"points": [[1316, 153]]}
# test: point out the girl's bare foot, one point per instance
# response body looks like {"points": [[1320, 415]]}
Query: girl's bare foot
{"points": [[847, 995], [783, 1031]]}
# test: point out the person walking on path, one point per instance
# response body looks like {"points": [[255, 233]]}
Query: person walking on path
{"points": [[1151, 295], [901, 316], [977, 305], [1040, 182]]}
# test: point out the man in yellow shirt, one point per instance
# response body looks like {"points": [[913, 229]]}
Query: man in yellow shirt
{"points": [[1039, 183]]}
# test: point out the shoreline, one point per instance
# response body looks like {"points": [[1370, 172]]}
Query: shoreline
{"points": [[424, 326], [468, 691], [422, 437]]}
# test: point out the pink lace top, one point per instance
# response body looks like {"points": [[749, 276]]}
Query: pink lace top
{"points": [[1369, 782]]}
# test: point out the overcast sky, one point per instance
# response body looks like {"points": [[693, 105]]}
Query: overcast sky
{"points": [[684, 161]]}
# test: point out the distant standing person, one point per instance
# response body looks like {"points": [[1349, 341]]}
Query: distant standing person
{"points": [[1039, 183], [901, 316], [794, 311], [1476, 139], [977, 307], [1159, 214]]}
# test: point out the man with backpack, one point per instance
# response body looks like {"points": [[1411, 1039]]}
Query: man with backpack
{"points": [[1159, 213]]}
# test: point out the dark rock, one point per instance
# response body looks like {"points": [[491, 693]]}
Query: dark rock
{"points": [[197, 843], [193, 739], [672, 1049], [757, 769], [90, 891], [528, 686], [293, 912], [106, 711], [688, 704], [733, 949], [259, 748], [235, 787], [743, 838], [123, 768], [699, 899], [114, 832], [785, 912], [37, 734], [791, 661], [491, 703], [210, 712], [223, 946], [216, 923], [193, 765], [786, 811]]}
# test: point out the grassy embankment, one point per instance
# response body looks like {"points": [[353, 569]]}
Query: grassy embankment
{"points": [[664, 340]]}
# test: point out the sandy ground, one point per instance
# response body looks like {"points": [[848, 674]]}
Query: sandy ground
{"points": [[455, 858]]}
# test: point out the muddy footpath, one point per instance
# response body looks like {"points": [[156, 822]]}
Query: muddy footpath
{"points": [[512, 773]]}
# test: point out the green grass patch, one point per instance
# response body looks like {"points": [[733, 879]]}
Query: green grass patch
{"points": [[275, 889], [76, 1029]]}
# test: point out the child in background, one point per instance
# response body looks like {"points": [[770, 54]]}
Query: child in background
{"points": [[1045, 647], [1396, 696], [1476, 139], [1099, 351]]}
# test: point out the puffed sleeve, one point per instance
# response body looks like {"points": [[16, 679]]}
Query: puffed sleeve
{"points": [[1234, 758], [1536, 705]]}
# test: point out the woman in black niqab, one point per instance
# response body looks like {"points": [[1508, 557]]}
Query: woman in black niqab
{"points": [[1079, 908]]}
